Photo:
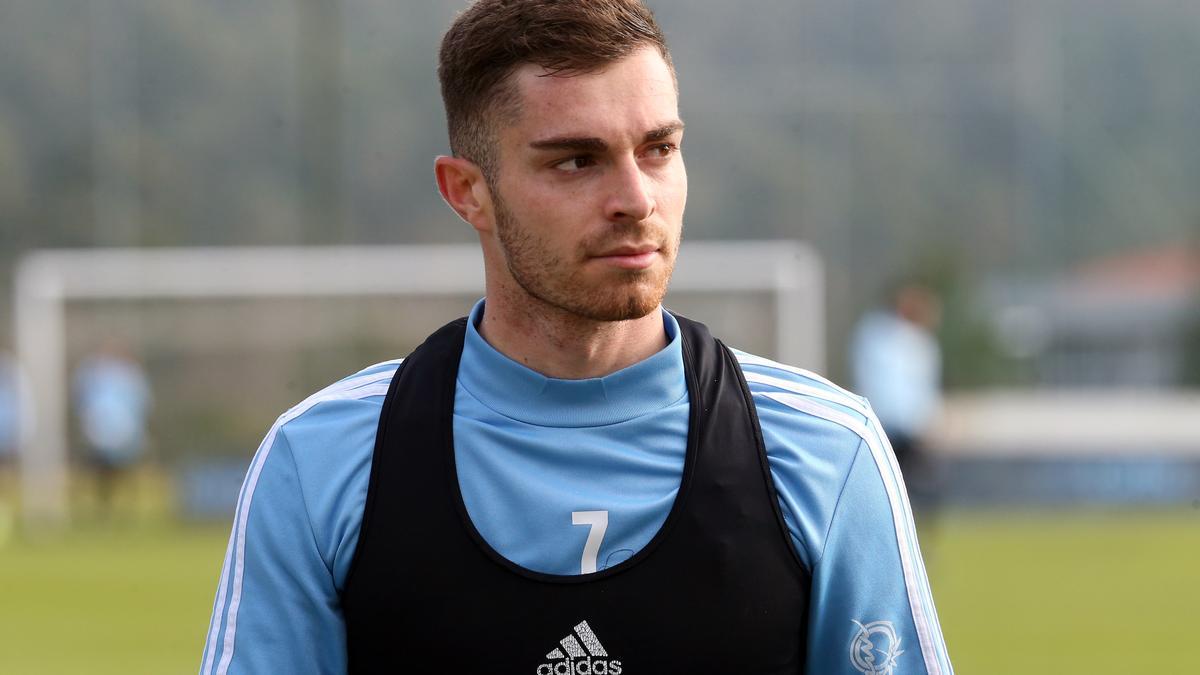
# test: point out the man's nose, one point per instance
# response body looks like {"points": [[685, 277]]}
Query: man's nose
{"points": [[632, 196]]}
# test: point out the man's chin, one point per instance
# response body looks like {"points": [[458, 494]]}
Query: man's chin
{"points": [[603, 298], [622, 308]]}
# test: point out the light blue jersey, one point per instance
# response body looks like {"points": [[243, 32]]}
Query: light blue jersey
{"points": [[898, 366], [530, 451]]}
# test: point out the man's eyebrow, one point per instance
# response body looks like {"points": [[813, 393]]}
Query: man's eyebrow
{"points": [[593, 144], [665, 131]]}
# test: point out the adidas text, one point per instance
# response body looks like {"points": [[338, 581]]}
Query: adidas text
{"points": [[584, 666]]}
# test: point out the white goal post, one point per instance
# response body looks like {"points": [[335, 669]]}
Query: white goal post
{"points": [[47, 281]]}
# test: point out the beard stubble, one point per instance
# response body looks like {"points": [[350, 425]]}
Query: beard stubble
{"points": [[622, 295]]}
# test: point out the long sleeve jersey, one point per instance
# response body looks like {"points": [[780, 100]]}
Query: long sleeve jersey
{"points": [[530, 451]]}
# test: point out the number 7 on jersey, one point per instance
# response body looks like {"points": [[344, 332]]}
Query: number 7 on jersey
{"points": [[599, 522]]}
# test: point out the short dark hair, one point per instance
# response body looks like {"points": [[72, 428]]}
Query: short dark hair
{"points": [[491, 38]]}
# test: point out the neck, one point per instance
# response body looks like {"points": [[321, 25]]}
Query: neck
{"points": [[559, 344]]}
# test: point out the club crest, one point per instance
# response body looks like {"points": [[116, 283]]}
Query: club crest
{"points": [[875, 648]]}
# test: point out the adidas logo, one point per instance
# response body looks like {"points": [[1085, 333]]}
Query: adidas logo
{"points": [[581, 654]]}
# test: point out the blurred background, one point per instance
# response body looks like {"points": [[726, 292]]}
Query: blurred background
{"points": [[1030, 165]]}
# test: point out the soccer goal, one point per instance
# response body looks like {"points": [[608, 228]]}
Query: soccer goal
{"points": [[230, 337]]}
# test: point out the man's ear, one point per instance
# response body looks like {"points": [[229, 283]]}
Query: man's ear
{"points": [[464, 189]]}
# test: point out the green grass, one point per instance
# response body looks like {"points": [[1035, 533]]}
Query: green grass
{"points": [[109, 600], [1092, 593], [1056, 593]]}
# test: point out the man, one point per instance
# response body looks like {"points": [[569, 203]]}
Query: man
{"points": [[896, 364], [113, 399], [572, 480]]}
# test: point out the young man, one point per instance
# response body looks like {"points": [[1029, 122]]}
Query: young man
{"points": [[571, 480]]}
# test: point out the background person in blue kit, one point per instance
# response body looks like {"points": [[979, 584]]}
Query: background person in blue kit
{"points": [[896, 363], [571, 479], [16, 419], [113, 400]]}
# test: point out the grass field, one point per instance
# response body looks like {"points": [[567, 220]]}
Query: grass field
{"points": [[1089, 593], [1082, 593]]}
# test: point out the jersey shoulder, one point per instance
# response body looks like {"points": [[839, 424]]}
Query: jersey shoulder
{"points": [[338, 423], [346, 404], [813, 431], [802, 390], [356, 387], [330, 439]]}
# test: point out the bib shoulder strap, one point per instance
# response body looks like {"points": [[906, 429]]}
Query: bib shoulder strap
{"points": [[425, 378]]}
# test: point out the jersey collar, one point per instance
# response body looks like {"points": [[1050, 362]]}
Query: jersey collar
{"points": [[513, 390]]}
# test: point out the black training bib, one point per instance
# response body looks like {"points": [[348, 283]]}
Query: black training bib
{"points": [[719, 590]]}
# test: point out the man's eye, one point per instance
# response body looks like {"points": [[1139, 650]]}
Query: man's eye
{"points": [[661, 150], [574, 164]]}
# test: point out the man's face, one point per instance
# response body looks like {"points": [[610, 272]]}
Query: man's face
{"points": [[590, 191]]}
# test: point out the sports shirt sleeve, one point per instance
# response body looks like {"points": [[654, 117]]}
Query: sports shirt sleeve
{"points": [[277, 606], [845, 505], [872, 609]]}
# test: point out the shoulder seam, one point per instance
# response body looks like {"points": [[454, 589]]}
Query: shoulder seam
{"points": [[838, 503], [352, 389], [303, 500]]}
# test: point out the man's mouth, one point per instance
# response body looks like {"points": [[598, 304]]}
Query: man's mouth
{"points": [[633, 257]]}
